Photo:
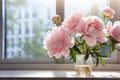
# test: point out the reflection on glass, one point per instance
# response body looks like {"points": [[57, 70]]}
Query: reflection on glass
{"points": [[23, 17]]}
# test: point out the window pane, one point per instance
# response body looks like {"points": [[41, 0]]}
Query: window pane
{"points": [[93, 7], [27, 22]]}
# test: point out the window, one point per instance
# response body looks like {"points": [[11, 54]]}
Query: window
{"points": [[12, 31], [40, 12], [33, 21], [26, 12], [19, 54], [19, 28], [12, 43], [26, 26], [19, 16], [12, 54], [34, 13], [19, 42]]}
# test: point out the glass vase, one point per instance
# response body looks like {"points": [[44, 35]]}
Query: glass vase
{"points": [[83, 67]]}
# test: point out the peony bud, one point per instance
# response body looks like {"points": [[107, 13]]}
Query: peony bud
{"points": [[56, 19], [108, 12]]}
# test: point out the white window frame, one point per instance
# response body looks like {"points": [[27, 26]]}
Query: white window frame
{"points": [[46, 63]]}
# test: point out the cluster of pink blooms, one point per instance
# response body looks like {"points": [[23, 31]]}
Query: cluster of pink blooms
{"points": [[60, 39]]}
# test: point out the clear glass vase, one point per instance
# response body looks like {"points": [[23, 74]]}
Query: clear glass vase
{"points": [[83, 67]]}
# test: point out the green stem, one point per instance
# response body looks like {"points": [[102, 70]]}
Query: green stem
{"points": [[54, 59], [63, 58], [104, 19], [98, 46], [84, 47], [77, 43]]}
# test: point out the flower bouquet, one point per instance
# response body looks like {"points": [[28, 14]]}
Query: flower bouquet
{"points": [[83, 35]]}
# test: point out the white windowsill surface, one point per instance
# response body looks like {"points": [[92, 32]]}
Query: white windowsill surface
{"points": [[54, 74]]}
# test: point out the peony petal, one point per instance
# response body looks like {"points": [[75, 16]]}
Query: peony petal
{"points": [[116, 33], [89, 40], [58, 55], [117, 23], [109, 27], [66, 52], [71, 44], [72, 22], [102, 36], [114, 30], [57, 41], [101, 39], [81, 26]]}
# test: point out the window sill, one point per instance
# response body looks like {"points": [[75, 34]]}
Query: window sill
{"points": [[17, 66], [55, 74]]}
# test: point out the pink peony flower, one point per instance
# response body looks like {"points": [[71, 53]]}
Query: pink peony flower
{"points": [[58, 42], [114, 30], [72, 22], [93, 30], [108, 12]]}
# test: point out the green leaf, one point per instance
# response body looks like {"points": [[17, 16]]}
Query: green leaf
{"points": [[102, 61], [73, 54], [77, 49], [55, 60], [113, 46], [93, 55], [97, 61], [100, 55], [86, 56], [96, 57], [104, 51], [63, 58], [77, 43]]}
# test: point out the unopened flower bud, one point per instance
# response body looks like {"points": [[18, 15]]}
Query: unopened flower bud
{"points": [[108, 13], [56, 19]]}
